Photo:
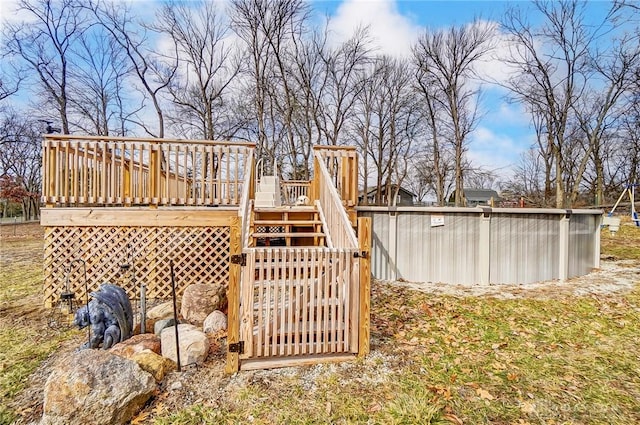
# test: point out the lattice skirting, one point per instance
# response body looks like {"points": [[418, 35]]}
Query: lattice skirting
{"points": [[199, 254]]}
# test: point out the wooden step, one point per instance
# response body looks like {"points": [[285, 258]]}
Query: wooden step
{"points": [[286, 222], [290, 209], [288, 235]]}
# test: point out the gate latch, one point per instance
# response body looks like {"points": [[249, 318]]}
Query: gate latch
{"points": [[360, 254], [239, 259], [237, 347]]}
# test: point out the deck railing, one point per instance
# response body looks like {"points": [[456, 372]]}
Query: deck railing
{"points": [[116, 171], [340, 229], [294, 189], [341, 163], [246, 201]]}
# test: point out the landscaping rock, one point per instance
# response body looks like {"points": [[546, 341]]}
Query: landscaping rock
{"points": [[161, 311], [163, 324], [137, 343], [153, 363], [215, 322], [95, 387], [199, 300], [194, 344]]}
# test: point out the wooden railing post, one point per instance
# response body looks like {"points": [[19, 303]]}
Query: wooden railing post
{"points": [[364, 244], [233, 298], [314, 190], [50, 188], [252, 176], [154, 175]]}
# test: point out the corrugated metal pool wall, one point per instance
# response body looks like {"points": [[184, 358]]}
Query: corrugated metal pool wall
{"points": [[483, 245]]}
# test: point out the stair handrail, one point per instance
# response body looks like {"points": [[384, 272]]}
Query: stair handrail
{"points": [[339, 225], [325, 225], [244, 210], [259, 171]]}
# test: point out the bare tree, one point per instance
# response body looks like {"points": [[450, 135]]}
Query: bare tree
{"points": [[554, 65], [207, 65], [529, 178], [270, 30], [344, 68], [45, 46], [153, 74], [10, 77], [98, 79], [20, 162], [309, 81], [387, 122], [598, 110], [438, 158], [446, 59]]}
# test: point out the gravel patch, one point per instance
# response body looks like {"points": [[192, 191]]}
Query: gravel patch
{"points": [[612, 277]]}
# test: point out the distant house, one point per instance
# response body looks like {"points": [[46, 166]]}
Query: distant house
{"points": [[404, 197], [475, 197]]}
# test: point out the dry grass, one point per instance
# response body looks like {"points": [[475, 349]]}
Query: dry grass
{"points": [[435, 359], [450, 360], [25, 338], [624, 244]]}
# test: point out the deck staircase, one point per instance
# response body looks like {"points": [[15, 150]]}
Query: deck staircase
{"points": [[288, 226], [299, 297], [268, 192]]}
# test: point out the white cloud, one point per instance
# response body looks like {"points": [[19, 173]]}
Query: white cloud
{"points": [[495, 151], [494, 67], [508, 114], [392, 32], [10, 13]]}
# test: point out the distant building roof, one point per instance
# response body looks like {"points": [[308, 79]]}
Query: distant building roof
{"points": [[374, 189], [480, 195]]}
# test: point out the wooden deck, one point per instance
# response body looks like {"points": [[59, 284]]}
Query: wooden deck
{"points": [[298, 276]]}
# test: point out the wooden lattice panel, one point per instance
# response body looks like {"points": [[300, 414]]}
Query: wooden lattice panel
{"points": [[199, 254]]}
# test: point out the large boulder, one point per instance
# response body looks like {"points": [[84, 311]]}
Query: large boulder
{"points": [[215, 322], [95, 387], [199, 300], [161, 311], [194, 344], [163, 324], [137, 343], [153, 363]]}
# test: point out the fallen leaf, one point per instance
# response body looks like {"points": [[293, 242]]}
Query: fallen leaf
{"points": [[140, 419], [484, 394], [453, 419], [375, 407], [527, 407]]}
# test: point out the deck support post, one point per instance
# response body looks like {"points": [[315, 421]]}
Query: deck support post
{"points": [[364, 245], [233, 297]]}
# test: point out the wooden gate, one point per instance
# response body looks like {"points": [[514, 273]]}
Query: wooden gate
{"points": [[297, 305], [298, 301]]}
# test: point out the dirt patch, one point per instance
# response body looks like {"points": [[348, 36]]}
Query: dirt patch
{"points": [[20, 231]]}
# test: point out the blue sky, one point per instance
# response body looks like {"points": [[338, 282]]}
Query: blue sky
{"points": [[503, 132]]}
